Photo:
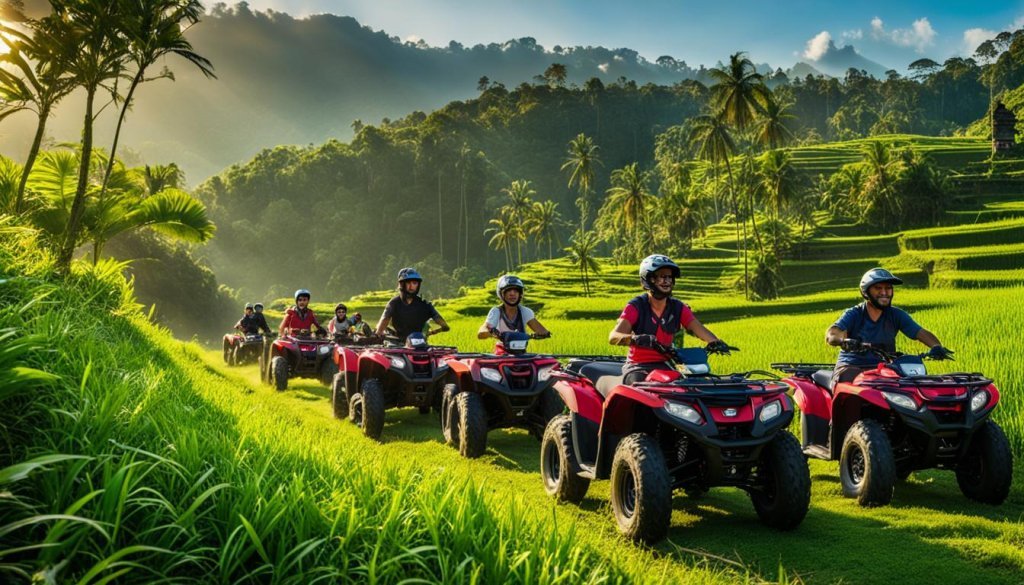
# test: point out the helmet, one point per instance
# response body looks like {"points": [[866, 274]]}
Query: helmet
{"points": [[248, 306], [652, 264], [258, 307], [302, 293], [357, 317], [876, 276], [409, 274], [340, 307], [506, 282]]}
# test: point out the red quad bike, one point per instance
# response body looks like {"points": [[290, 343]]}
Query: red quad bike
{"points": [[509, 388], [345, 357], [688, 430], [389, 376], [242, 349], [296, 356], [896, 419]]}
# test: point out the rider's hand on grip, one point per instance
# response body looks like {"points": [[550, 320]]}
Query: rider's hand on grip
{"points": [[719, 346], [940, 353], [851, 344], [644, 340]]}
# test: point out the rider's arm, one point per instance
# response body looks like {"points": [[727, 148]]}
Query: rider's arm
{"points": [[442, 326], [537, 328], [490, 324], [622, 333], [835, 336], [385, 317], [238, 325], [928, 338], [700, 331], [285, 323]]}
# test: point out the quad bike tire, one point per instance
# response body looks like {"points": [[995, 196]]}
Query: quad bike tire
{"points": [[559, 467], [227, 352], [549, 405], [986, 471], [472, 424], [236, 356], [449, 411], [339, 398], [366, 408], [867, 469], [264, 363], [279, 371], [785, 494], [641, 491], [327, 370]]}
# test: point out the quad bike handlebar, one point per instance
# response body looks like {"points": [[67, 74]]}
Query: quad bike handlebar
{"points": [[891, 356]]}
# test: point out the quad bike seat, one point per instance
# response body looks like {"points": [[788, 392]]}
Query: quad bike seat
{"points": [[604, 375], [823, 378]]}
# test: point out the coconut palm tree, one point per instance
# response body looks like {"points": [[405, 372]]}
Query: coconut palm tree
{"points": [[520, 196], [772, 128], [43, 82], [581, 250], [154, 29], [544, 224], [738, 91], [878, 196], [581, 162], [630, 196], [506, 231]]}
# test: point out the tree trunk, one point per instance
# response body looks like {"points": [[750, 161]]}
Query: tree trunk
{"points": [[440, 218], [78, 205], [736, 210], [117, 130], [33, 152]]}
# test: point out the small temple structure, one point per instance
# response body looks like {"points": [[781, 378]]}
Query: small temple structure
{"points": [[1004, 128]]}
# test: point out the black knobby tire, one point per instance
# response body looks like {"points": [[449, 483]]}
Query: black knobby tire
{"points": [[549, 405], [472, 424], [227, 352], [339, 398], [867, 469], [279, 371], [641, 490], [327, 370], [785, 492], [449, 412], [264, 363], [986, 471], [559, 467], [372, 399]]}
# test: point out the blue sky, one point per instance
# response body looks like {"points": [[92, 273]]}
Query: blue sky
{"points": [[780, 33]]}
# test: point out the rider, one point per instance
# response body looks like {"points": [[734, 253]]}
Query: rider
{"points": [[358, 326], [258, 307], [340, 323], [875, 322], [510, 315], [251, 323], [300, 319], [406, 312], [653, 319]]}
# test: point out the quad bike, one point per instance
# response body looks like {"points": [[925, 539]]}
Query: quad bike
{"points": [[242, 349], [345, 357], [296, 356], [379, 377], [688, 429], [509, 388], [895, 419]]}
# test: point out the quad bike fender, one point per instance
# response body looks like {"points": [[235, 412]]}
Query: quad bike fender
{"points": [[345, 359], [459, 367], [371, 367], [620, 407], [811, 398], [846, 392], [579, 396]]}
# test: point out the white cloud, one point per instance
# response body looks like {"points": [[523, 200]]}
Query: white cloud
{"points": [[853, 35], [974, 37], [413, 39], [920, 35], [1019, 23], [603, 67], [818, 45]]}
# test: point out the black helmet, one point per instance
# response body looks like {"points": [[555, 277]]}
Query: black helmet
{"points": [[258, 307], [509, 281], [409, 274], [340, 307], [652, 264], [876, 276], [302, 293], [248, 306]]}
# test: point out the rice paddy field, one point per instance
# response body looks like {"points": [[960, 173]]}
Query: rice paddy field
{"points": [[129, 456]]}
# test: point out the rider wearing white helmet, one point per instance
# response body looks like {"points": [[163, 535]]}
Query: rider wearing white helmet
{"points": [[874, 321], [511, 315], [654, 318]]}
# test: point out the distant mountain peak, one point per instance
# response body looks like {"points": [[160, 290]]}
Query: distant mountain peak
{"points": [[835, 61]]}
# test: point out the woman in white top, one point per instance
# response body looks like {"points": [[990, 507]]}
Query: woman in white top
{"points": [[510, 315]]}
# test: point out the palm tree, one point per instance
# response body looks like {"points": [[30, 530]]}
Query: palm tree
{"points": [[545, 223], [154, 29], [44, 82], [630, 196], [506, 231], [878, 196], [737, 91], [160, 177], [520, 203], [781, 185], [772, 129], [581, 161], [97, 58], [581, 255]]}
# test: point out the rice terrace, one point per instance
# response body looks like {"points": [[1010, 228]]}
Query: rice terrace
{"points": [[439, 292]]}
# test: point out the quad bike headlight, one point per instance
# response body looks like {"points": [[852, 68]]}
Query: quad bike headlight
{"points": [[544, 374], [900, 400], [979, 400], [325, 349], [684, 412], [491, 374], [397, 363], [770, 411]]}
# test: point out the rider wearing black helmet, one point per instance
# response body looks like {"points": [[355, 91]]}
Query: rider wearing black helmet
{"points": [[406, 312], [340, 323], [300, 319], [510, 316], [875, 321], [653, 319]]}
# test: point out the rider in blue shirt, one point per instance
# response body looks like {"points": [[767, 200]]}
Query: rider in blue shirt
{"points": [[875, 322]]}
